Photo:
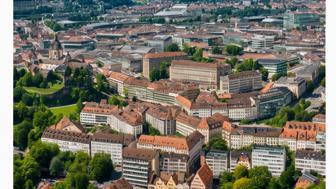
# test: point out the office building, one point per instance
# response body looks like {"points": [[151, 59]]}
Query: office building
{"points": [[241, 82], [111, 144], [271, 157], [217, 160], [309, 160], [300, 19], [296, 85], [274, 66], [261, 42], [206, 75], [270, 102], [160, 42], [154, 60], [139, 165]]}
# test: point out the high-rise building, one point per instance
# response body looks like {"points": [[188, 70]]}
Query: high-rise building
{"points": [[309, 160]]}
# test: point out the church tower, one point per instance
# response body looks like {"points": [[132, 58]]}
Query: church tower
{"points": [[56, 49]]}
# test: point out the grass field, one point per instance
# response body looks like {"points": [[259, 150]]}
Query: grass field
{"points": [[65, 110], [50, 90]]}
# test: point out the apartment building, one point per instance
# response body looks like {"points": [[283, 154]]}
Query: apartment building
{"points": [[241, 82], [303, 135], [211, 126], [296, 85], [237, 107], [126, 121], [96, 113], [116, 81], [241, 136], [139, 165], [319, 118], [186, 124], [270, 102], [166, 180], [190, 145], [67, 140], [163, 118], [153, 60], [308, 160], [273, 158], [163, 91], [111, 144], [203, 178], [217, 160], [240, 158], [172, 162], [241, 106], [205, 74]]}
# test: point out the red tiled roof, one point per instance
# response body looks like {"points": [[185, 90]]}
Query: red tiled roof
{"points": [[164, 54]]}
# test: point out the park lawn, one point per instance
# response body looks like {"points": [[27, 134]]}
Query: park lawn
{"points": [[54, 88], [65, 110]]}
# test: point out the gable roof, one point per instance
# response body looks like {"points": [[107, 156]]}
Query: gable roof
{"points": [[65, 122], [205, 174]]}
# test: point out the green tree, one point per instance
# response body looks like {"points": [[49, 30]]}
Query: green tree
{"points": [[114, 101], [102, 84], [21, 134], [228, 185], [29, 184], [188, 50], [26, 80], [68, 71], [274, 184], [232, 61], [286, 179], [243, 183], [260, 177], [225, 177], [233, 50], [101, 167], [30, 170], [18, 93], [216, 143], [216, 50], [172, 48], [43, 153], [240, 172], [154, 74], [198, 55], [56, 167], [37, 79], [27, 99], [76, 181]]}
